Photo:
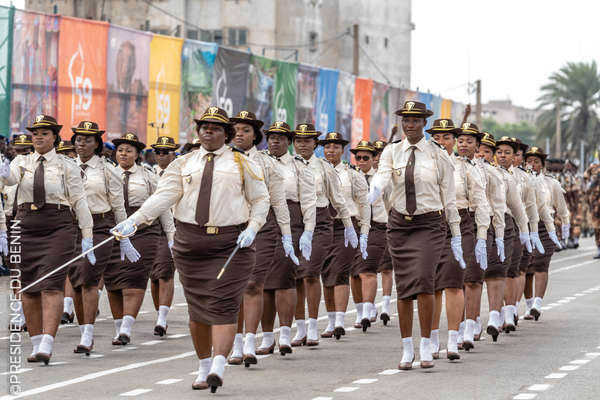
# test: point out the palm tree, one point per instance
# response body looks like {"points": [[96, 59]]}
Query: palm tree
{"points": [[576, 88]]}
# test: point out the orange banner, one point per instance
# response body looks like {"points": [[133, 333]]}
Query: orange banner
{"points": [[446, 109], [81, 73], [361, 116]]}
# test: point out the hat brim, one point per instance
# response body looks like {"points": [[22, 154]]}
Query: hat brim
{"points": [[454, 131], [418, 114], [211, 120], [307, 134], [55, 128], [336, 141], [139, 145], [477, 136], [543, 157], [98, 135], [276, 131], [87, 132], [172, 147], [488, 144], [257, 123], [356, 150], [515, 146]]}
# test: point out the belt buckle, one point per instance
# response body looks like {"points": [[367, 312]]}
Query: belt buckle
{"points": [[408, 218], [212, 230], [33, 207]]}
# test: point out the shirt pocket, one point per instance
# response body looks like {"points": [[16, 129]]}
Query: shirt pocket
{"points": [[54, 179], [426, 171]]}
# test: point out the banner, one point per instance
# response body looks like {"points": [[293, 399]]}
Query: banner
{"points": [[458, 112], [306, 99], [81, 73], [343, 106], [165, 87], [230, 75], [261, 82], [427, 99], [197, 62], [325, 108], [436, 107], [127, 82], [394, 101], [6, 47], [361, 115], [446, 109], [379, 128], [284, 102]]}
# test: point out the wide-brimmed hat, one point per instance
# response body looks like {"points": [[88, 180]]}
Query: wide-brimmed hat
{"points": [[488, 140], [522, 145], [470, 129], [64, 146], [443, 125], [192, 145], [414, 109], [379, 145], [281, 128], [88, 128], [22, 140], [306, 130], [45, 121], [509, 142], [165, 143], [130, 138], [214, 115], [248, 117], [364, 145], [333, 137], [536, 152]]}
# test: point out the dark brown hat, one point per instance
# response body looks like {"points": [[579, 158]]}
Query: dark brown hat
{"points": [[215, 115], [64, 146], [165, 143], [306, 130], [536, 152], [281, 128], [379, 145], [333, 137], [364, 145], [192, 145], [414, 109], [488, 140], [470, 129], [45, 121], [509, 142], [130, 138], [22, 139], [88, 128], [522, 145], [247, 117], [443, 125]]}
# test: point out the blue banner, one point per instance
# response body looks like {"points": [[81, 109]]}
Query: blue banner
{"points": [[325, 110], [426, 98]]}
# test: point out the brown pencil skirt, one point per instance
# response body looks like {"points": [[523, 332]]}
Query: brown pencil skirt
{"points": [[517, 254], [48, 238], [474, 273], [266, 246], [199, 257], [416, 246], [120, 275], [376, 246], [321, 246], [497, 269], [163, 266], [525, 261], [541, 262], [449, 274], [81, 272], [338, 263], [386, 260]]}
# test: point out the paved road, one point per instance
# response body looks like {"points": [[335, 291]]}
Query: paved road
{"points": [[557, 357]]}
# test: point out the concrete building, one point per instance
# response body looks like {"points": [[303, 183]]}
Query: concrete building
{"points": [[315, 32], [505, 112]]}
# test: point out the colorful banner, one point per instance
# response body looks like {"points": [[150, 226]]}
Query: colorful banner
{"points": [[165, 88], [458, 112], [127, 81], [436, 107], [379, 112], [81, 72], [446, 109], [284, 102], [306, 99], [361, 115], [6, 47], [261, 82], [325, 109], [343, 106], [197, 62], [230, 75], [395, 101], [426, 98]]}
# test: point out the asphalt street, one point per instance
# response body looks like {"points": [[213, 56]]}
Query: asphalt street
{"points": [[557, 357]]}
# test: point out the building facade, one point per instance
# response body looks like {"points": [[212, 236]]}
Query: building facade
{"points": [[505, 112]]}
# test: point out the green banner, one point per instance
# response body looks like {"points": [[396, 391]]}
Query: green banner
{"points": [[6, 36], [284, 96]]}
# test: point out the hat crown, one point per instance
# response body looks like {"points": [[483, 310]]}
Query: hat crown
{"points": [[88, 125], [280, 126], [379, 144], [44, 120], [165, 140], [22, 139], [469, 127], [130, 136], [215, 114], [246, 115], [333, 136]]}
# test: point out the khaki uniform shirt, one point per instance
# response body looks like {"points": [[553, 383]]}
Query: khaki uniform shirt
{"points": [[557, 196], [544, 201], [526, 187], [513, 200], [496, 195], [470, 193], [379, 208], [356, 191], [10, 192]]}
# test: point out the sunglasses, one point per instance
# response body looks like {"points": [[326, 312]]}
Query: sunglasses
{"points": [[162, 152], [363, 158]]}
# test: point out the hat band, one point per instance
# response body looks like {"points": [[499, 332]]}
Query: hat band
{"points": [[307, 133], [278, 130], [39, 124], [170, 146], [358, 148], [413, 112], [215, 116], [473, 131], [487, 142], [84, 131], [438, 128]]}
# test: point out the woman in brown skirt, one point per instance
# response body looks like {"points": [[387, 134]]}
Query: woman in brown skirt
{"points": [[329, 194], [470, 197], [104, 192], [338, 263], [220, 202], [421, 175], [50, 185], [126, 281]]}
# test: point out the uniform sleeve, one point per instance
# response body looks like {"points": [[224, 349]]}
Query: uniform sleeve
{"points": [[115, 194], [3, 227], [559, 203], [78, 199], [360, 194], [308, 197], [16, 172], [479, 201], [383, 176], [497, 200], [335, 194], [543, 210], [257, 196], [448, 190], [514, 203], [277, 195], [531, 204]]}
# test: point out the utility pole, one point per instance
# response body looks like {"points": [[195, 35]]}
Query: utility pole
{"points": [[558, 136], [355, 68], [478, 102], [582, 157]]}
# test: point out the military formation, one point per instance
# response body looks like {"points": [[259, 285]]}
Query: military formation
{"points": [[258, 227]]}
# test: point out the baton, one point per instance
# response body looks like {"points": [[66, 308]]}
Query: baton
{"points": [[228, 261]]}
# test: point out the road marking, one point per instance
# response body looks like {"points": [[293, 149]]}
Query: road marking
{"points": [[389, 372], [569, 367], [322, 398], [59, 363], [100, 319], [554, 304], [143, 312], [152, 342], [539, 387], [346, 389], [525, 396], [135, 392], [94, 356], [592, 354], [19, 371], [556, 375], [181, 304], [555, 271], [570, 298], [178, 335], [168, 381], [364, 381], [563, 301], [579, 362], [544, 308], [4, 337]]}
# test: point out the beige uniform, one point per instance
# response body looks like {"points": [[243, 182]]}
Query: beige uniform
{"points": [[513, 200], [380, 207], [470, 193], [9, 192], [526, 187], [496, 195], [356, 191], [557, 199], [543, 202]]}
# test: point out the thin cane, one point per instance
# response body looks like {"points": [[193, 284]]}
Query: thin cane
{"points": [[228, 261]]}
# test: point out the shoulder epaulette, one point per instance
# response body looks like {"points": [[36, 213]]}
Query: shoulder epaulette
{"points": [[437, 144], [469, 161], [63, 157], [234, 148], [397, 141], [521, 168], [299, 158], [354, 167], [108, 161]]}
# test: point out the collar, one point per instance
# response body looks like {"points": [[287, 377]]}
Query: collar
{"points": [[285, 158], [370, 172], [49, 156], [312, 158], [218, 152], [340, 167], [252, 152], [419, 145], [133, 169], [92, 162]]}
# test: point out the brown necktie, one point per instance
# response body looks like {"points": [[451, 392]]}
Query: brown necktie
{"points": [[161, 173], [203, 204], [126, 189], [39, 192], [409, 183], [83, 167]]}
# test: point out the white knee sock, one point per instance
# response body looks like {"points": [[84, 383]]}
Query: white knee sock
{"points": [[435, 340], [529, 304], [284, 335], [218, 366], [339, 319], [368, 310], [238, 346], [203, 368], [494, 319], [373, 312], [425, 350], [359, 312], [250, 344], [46, 344], [118, 323], [300, 329], [267, 340], [408, 351], [87, 336], [68, 305], [508, 315], [453, 341], [386, 304], [127, 324], [81, 329], [162, 316], [330, 321], [313, 334], [35, 341], [478, 326], [537, 303], [469, 331], [461, 332]]}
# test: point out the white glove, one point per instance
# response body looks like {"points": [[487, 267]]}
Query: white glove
{"points": [[456, 244], [554, 239], [350, 237], [127, 250], [500, 246], [5, 169], [566, 230], [3, 243], [374, 194], [364, 240], [124, 228], [537, 243], [524, 238], [246, 238], [288, 248], [86, 244], [481, 253], [305, 244], [170, 244]]}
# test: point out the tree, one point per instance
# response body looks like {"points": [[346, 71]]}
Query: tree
{"points": [[526, 132]]}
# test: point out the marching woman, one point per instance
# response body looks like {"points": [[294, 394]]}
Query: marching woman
{"points": [[329, 194], [421, 174], [338, 263], [50, 185], [162, 284], [277, 228], [104, 192], [220, 202], [280, 286], [364, 271], [554, 199], [126, 280], [473, 209]]}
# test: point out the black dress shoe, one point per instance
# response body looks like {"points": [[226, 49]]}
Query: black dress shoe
{"points": [[67, 318], [125, 339], [43, 357], [214, 381], [385, 318], [365, 324], [81, 349], [160, 330]]}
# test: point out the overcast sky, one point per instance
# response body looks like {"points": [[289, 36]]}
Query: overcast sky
{"points": [[511, 45]]}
